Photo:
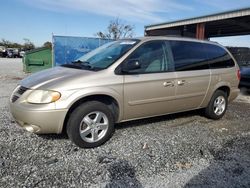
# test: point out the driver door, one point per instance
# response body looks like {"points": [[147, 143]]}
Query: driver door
{"points": [[150, 89]]}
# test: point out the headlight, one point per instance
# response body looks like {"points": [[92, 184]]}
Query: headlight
{"points": [[43, 97]]}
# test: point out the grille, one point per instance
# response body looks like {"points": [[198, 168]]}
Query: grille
{"points": [[21, 90], [14, 98], [18, 93]]}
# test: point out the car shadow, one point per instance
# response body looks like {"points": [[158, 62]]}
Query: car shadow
{"points": [[158, 119], [229, 168], [245, 91], [61, 136]]}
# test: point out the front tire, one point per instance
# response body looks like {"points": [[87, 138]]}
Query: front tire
{"points": [[91, 124], [217, 105]]}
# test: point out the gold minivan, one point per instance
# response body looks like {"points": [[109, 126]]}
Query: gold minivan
{"points": [[126, 80]]}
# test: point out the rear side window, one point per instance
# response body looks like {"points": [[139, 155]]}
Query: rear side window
{"points": [[218, 57], [189, 55]]}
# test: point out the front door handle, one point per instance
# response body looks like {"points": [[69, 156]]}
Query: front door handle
{"points": [[166, 84], [181, 82]]}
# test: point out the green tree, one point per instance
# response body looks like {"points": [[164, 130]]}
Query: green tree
{"points": [[47, 45], [117, 29], [28, 45], [9, 44]]}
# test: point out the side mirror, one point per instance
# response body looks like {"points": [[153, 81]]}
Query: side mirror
{"points": [[130, 65]]}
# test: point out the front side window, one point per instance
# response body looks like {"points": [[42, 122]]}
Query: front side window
{"points": [[151, 56], [189, 55]]}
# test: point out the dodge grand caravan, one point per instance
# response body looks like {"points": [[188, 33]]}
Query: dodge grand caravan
{"points": [[126, 80]]}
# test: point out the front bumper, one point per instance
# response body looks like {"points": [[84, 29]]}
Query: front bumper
{"points": [[38, 121]]}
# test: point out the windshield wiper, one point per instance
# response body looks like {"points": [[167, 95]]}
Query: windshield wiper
{"points": [[71, 66], [86, 64], [78, 65], [82, 63]]}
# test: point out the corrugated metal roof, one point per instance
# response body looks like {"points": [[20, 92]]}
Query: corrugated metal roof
{"points": [[202, 19]]}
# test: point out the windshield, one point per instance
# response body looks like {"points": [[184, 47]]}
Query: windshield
{"points": [[106, 55]]}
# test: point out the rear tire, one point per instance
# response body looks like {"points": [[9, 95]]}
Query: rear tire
{"points": [[217, 105], [90, 125]]}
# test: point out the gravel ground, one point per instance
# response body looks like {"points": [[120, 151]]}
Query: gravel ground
{"points": [[181, 150]]}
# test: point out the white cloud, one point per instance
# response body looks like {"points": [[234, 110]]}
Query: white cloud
{"points": [[136, 10], [235, 41]]}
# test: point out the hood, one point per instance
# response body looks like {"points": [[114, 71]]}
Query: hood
{"points": [[52, 78]]}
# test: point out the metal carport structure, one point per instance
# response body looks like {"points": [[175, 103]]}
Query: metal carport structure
{"points": [[230, 23]]}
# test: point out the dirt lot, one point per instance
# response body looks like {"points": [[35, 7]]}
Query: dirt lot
{"points": [[181, 150]]}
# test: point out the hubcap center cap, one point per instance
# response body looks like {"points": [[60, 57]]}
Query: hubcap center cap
{"points": [[93, 126]]}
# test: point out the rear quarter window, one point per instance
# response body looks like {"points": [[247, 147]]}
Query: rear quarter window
{"points": [[218, 57]]}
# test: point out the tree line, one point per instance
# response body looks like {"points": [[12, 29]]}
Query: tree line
{"points": [[27, 45]]}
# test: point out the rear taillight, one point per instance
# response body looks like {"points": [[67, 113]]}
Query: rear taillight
{"points": [[238, 74]]}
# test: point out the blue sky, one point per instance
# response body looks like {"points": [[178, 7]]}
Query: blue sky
{"points": [[38, 19]]}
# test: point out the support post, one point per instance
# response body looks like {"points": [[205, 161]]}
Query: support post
{"points": [[200, 31]]}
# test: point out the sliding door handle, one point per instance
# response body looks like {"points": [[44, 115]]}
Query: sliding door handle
{"points": [[181, 82], [166, 84]]}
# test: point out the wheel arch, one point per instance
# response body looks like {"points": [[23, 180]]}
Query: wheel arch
{"points": [[110, 101], [226, 89], [223, 87]]}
